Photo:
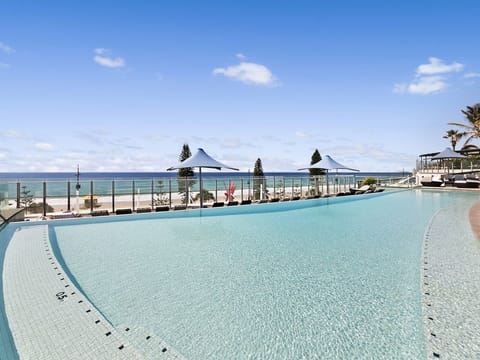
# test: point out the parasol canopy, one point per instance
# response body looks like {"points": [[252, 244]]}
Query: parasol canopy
{"points": [[201, 160], [327, 163]]}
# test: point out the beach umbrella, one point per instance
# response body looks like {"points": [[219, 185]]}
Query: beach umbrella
{"points": [[327, 163], [201, 160], [448, 154]]}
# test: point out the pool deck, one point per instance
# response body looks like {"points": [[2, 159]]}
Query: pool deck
{"points": [[51, 319], [451, 283]]}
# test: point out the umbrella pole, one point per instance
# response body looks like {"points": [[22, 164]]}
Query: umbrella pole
{"points": [[328, 191], [201, 187]]}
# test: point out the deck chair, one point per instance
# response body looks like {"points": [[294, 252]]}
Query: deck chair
{"points": [[361, 190]]}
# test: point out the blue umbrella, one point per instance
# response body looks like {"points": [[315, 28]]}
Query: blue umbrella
{"points": [[201, 160]]}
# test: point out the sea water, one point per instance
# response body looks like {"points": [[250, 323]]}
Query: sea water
{"points": [[334, 281]]}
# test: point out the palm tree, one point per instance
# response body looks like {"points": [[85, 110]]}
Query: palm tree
{"points": [[454, 136], [472, 129]]}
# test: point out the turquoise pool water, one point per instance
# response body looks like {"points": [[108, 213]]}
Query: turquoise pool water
{"points": [[334, 281]]}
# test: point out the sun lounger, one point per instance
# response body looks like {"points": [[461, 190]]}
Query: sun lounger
{"points": [[466, 181], [361, 190], [100, 213], [123, 211], [218, 204], [162, 208]]}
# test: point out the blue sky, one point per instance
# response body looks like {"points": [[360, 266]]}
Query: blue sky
{"points": [[121, 86]]}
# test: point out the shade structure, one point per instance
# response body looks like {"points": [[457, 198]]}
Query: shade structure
{"points": [[448, 154], [201, 160], [327, 163]]}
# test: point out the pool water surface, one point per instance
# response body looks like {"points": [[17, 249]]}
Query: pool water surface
{"points": [[334, 281]]}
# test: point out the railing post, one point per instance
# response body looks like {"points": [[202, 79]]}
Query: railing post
{"points": [[170, 192], [216, 190], [91, 196], [133, 195], [274, 189], [68, 195], [113, 196], [44, 198], [187, 195], [152, 193], [18, 195], [241, 185]]}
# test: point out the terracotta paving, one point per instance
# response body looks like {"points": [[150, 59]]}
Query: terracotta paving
{"points": [[474, 216]]}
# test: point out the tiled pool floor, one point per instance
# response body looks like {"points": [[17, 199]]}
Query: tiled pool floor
{"points": [[51, 319], [451, 284]]}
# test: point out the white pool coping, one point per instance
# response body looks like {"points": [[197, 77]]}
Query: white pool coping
{"points": [[51, 319]]}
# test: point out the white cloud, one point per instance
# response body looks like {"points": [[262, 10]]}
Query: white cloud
{"points": [[248, 73], [241, 56], [6, 49], [104, 60], [44, 146], [101, 51], [437, 66], [4, 66], [427, 85], [300, 134], [471, 75], [11, 134], [427, 78]]}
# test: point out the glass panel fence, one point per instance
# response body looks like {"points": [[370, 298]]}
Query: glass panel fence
{"points": [[142, 195]]}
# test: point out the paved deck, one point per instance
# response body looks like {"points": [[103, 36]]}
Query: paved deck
{"points": [[451, 284], [50, 319]]}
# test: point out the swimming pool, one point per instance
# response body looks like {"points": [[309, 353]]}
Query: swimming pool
{"points": [[336, 281]]}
